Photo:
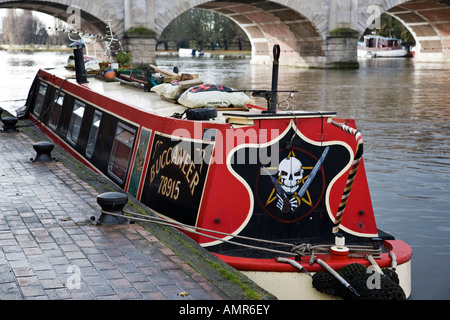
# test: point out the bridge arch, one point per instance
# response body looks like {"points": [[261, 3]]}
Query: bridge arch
{"points": [[93, 14], [428, 21], [295, 26], [306, 30], [93, 17]]}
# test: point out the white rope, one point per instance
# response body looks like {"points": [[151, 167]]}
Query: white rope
{"points": [[299, 250], [189, 228]]}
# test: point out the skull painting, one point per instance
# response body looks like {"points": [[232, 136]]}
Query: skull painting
{"points": [[290, 174]]}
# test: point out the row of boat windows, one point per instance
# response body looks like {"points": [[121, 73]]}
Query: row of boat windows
{"points": [[123, 141]]}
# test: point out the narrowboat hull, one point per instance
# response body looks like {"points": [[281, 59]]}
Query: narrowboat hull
{"points": [[240, 177], [287, 283]]}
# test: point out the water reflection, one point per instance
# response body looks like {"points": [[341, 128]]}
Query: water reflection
{"points": [[18, 72], [14, 62]]}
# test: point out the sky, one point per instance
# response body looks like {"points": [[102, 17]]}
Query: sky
{"points": [[45, 18]]}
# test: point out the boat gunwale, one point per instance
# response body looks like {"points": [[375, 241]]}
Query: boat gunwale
{"points": [[402, 250]]}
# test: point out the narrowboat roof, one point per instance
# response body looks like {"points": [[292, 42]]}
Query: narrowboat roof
{"points": [[151, 102], [135, 97]]}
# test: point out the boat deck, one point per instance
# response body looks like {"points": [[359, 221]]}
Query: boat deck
{"points": [[132, 96], [151, 102]]}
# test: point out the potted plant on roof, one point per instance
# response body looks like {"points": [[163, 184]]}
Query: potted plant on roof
{"points": [[124, 60], [104, 65]]}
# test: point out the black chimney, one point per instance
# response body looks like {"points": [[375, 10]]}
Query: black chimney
{"points": [[78, 55], [274, 101]]}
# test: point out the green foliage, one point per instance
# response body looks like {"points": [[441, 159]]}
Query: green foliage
{"points": [[391, 27], [123, 58], [140, 32], [344, 33], [203, 29]]}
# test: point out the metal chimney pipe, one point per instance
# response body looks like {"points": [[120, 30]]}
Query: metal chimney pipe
{"points": [[274, 99], [80, 69]]}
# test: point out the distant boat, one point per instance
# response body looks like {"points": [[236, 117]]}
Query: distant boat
{"points": [[192, 53], [382, 47], [91, 64]]}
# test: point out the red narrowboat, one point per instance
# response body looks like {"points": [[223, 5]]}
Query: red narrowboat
{"points": [[279, 195]]}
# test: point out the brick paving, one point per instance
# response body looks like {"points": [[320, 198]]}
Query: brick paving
{"points": [[51, 249]]}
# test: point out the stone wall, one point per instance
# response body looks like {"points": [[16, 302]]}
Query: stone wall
{"points": [[342, 44], [142, 50]]}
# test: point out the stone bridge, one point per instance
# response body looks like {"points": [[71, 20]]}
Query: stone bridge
{"points": [[320, 33]]}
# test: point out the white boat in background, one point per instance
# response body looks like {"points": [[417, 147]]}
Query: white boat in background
{"points": [[382, 47], [91, 64], [183, 52], [186, 52]]}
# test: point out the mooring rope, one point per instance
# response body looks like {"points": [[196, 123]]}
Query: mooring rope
{"points": [[355, 251], [193, 229], [296, 250], [353, 170]]}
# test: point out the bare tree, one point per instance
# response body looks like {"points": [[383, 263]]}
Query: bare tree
{"points": [[8, 27], [23, 28]]}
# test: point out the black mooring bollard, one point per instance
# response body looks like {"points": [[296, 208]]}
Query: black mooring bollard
{"points": [[43, 151], [9, 124], [112, 202]]}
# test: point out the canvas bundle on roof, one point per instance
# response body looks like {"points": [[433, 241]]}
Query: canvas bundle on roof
{"points": [[211, 95]]}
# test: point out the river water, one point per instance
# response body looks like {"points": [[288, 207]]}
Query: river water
{"points": [[402, 109]]}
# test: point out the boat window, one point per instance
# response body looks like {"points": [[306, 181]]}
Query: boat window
{"points": [[93, 134], [75, 122], [40, 99], [121, 152], [56, 113]]}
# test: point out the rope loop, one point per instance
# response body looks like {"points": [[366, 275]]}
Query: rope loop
{"points": [[304, 249]]}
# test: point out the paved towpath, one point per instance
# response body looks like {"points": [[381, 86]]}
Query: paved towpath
{"points": [[52, 248]]}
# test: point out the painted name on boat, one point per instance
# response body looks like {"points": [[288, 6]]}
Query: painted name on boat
{"points": [[177, 173]]}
